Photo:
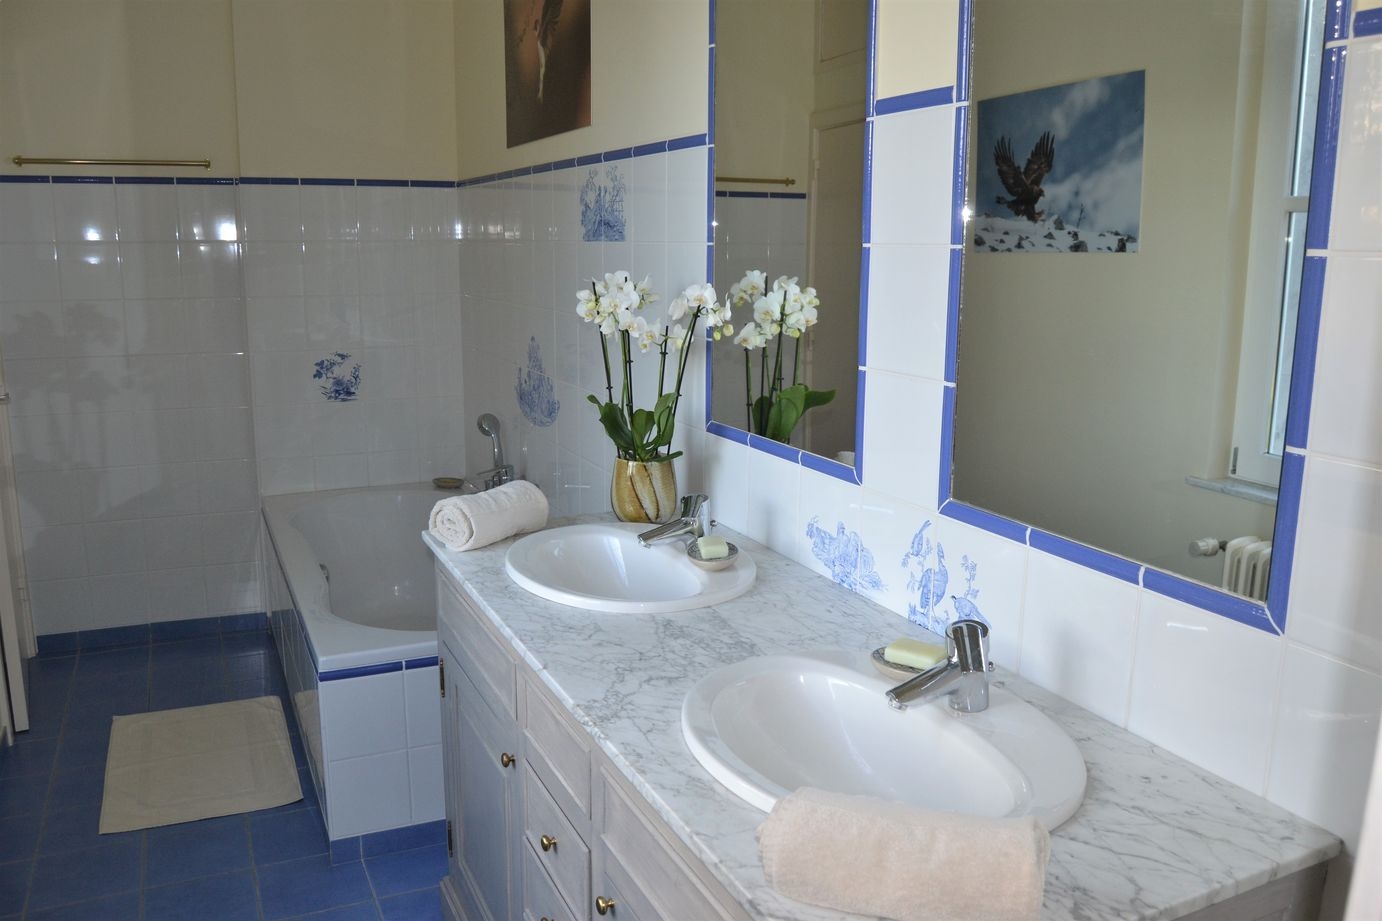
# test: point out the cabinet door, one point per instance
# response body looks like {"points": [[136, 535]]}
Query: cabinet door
{"points": [[488, 835], [451, 749]]}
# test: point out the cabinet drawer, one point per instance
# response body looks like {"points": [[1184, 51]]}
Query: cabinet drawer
{"points": [[557, 750], [653, 879], [568, 860], [483, 656], [540, 899]]}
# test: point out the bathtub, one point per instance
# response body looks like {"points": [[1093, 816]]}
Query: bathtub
{"points": [[352, 598]]}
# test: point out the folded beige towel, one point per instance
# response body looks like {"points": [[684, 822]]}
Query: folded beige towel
{"points": [[875, 857], [470, 522]]}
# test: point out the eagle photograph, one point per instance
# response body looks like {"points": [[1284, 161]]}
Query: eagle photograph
{"points": [[1059, 169]]}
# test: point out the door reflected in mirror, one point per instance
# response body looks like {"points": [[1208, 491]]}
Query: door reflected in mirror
{"points": [[1131, 396], [791, 97]]}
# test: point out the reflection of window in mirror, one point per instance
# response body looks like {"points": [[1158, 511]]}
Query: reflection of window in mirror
{"points": [[1290, 64], [790, 106], [1091, 386]]}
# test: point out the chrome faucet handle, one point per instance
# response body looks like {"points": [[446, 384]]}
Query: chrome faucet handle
{"points": [[968, 643]]}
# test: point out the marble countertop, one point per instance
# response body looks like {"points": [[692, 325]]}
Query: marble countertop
{"points": [[1156, 836]]}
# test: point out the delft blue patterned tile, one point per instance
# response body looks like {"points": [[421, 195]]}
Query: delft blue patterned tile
{"points": [[338, 385], [406, 871], [844, 554], [602, 204], [124, 907], [313, 884], [195, 849], [928, 577], [423, 905], [80, 876], [536, 398], [277, 837], [227, 898]]}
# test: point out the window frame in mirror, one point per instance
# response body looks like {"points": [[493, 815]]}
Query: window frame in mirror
{"points": [[828, 466], [1268, 616]]}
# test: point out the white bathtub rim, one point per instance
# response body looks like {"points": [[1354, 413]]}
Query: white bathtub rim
{"points": [[341, 643]]}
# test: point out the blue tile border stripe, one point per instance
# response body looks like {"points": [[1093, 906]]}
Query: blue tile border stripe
{"points": [[1328, 118], [360, 671], [730, 193], [1235, 607], [591, 159], [424, 662], [1367, 23], [922, 99], [1306, 350], [1090, 557], [985, 521]]}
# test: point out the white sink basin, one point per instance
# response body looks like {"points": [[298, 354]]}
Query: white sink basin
{"points": [[601, 567], [768, 725]]}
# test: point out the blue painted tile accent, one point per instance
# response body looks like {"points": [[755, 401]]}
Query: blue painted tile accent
{"points": [[964, 50], [337, 182], [831, 468], [205, 180], [345, 850], [1089, 557], [725, 431], [1243, 610], [589, 159], [710, 91], [24, 179], [84, 180], [685, 143], [1367, 23], [921, 99], [406, 871], [724, 193], [643, 150], [426, 834], [1284, 539], [622, 153], [82, 875], [952, 312], [227, 898], [865, 271], [1298, 402], [360, 671], [143, 180], [775, 448], [255, 180], [1328, 118], [196, 849], [14, 884], [111, 637], [860, 388], [946, 470], [276, 837], [20, 839], [425, 662], [423, 905], [542, 168], [301, 886], [123, 907], [797, 196], [866, 232], [432, 183], [957, 181], [1336, 20]]}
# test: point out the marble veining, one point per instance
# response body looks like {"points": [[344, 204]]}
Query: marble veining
{"points": [[1155, 838]]}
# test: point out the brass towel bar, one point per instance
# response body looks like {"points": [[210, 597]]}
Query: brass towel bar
{"points": [[62, 161], [786, 181]]}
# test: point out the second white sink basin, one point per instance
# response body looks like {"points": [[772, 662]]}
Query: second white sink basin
{"points": [[602, 567], [768, 725]]}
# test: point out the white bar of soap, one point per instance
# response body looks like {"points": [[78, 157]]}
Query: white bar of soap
{"points": [[712, 547], [913, 653]]}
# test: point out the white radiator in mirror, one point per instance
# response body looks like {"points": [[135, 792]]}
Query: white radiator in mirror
{"points": [[1247, 563]]}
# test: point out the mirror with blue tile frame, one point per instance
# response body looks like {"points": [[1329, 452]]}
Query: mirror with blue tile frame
{"points": [[789, 155], [1135, 328]]}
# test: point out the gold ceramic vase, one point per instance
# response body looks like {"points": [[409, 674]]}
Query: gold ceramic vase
{"points": [[643, 491]]}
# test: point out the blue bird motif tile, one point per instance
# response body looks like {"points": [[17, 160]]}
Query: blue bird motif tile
{"points": [[928, 579], [844, 554], [535, 395], [602, 205], [338, 385]]}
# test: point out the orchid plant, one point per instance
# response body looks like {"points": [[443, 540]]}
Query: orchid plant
{"points": [[616, 306], [786, 311]]}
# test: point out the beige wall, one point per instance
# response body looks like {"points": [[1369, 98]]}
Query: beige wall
{"points": [[118, 78], [649, 71], [346, 88], [916, 46], [1137, 353]]}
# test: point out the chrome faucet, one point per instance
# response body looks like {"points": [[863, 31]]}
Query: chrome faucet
{"points": [[963, 676], [501, 472], [693, 521]]}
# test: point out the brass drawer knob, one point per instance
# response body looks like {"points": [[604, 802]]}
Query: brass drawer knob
{"points": [[547, 842], [506, 759], [603, 905]]}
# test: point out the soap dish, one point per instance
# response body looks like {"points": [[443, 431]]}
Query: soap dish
{"points": [[448, 482], [693, 553], [892, 669]]}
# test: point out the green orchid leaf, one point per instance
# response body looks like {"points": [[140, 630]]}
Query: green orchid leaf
{"points": [[816, 398], [786, 412]]}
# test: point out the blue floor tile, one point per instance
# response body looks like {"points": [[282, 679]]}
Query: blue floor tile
{"points": [[124, 907], [14, 883], [287, 836], [83, 875], [364, 911], [302, 886], [28, 756], [226, 898], [424, 905], [19, 838], [178, 696], [79, 787], [195, 849], [80, 749], [22, 794], [66, 830], [405, 871], [92, 665], [403, 839]]}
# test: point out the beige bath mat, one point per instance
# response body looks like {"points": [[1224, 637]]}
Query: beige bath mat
{"points": [[176, 766]]}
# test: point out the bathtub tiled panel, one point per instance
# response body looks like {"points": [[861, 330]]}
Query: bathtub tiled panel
{"points": [[124, 342], [369, 272]]}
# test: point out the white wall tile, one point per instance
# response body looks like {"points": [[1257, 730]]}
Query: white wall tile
{"points": [[114, 547], [368, 794], [84, 211], [913, 161], [146, 213], [176, 594], [270, 213], [908, 309], [119, 600], [273, 269], [902, 456], [686, 197], [230, 537], [210, 269], [891, 528], [1348, 371], [218, 325], [55, 553], [31, 329], [28, 272], [28, 211], [360, 716], [1000, 580], [232, 588], [1078, 634], [150, 270], [423, 706], [1204, 687], [207, 212], [329, 212], [62, 606], [772, 486], [1357, 209], [175, 542], [89, 271], [1324, 742], [425, 780], [826, 506], [1335, 579], [281, 475]]}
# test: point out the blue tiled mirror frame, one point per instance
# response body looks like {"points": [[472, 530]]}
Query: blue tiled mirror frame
{"points": [[1269, 617]]}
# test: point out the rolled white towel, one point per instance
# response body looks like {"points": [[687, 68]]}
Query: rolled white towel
{"points": [[876, 857], [471, 522]]}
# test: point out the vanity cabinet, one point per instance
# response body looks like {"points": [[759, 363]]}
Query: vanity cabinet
{"points": [[541, 825]]}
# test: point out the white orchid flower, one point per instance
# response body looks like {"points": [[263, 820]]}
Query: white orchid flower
{"points": [[701, 297], [677, 309], [587, 305], [649, 338], [750, 288], [751, 337], [784, 281], [767, 310], [677, 336], [608, 326]]}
